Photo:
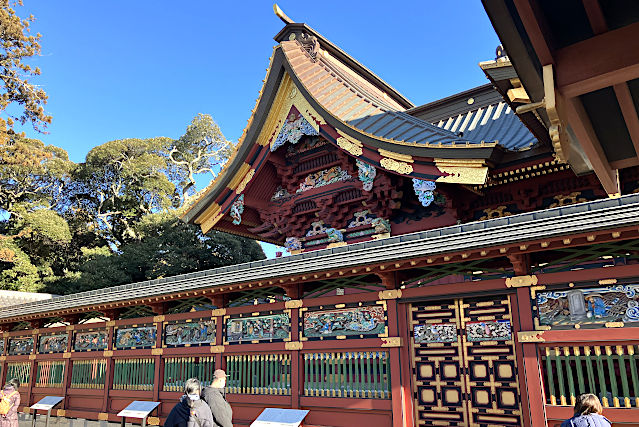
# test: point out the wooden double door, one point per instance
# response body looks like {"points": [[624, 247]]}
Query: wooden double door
{"points": [[464, 364]]}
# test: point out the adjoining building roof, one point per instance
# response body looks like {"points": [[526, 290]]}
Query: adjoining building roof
{"points": [[556, 222], [11, 298], [478, 114]]}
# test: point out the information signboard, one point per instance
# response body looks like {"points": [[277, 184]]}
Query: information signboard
{"points": [[138, 409], [277, 417], [47, 402]]}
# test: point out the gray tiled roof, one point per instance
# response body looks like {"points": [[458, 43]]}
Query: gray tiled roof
{"points": [[567, 220]]}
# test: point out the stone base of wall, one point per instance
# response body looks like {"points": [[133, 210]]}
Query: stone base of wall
{"points": [[26, 420]]}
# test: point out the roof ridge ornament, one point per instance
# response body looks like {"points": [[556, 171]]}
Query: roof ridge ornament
{"points": [[280, 14], [310, 44]]}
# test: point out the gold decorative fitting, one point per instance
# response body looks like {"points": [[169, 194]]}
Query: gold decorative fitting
{"points": [[153, 421], [70, 327], [61, 413], [247, 178], [218, 312], [390, 294], [534, 289], [36, 331], [32, 357], [294, 345], [107, 353], [340, 305], [103, 416], [613, 324], [462, 171], [294, 303], [395, 166], [159, 318], [110, 323], [607, 281], [66, 355], [391, 342], [521, 281], [381, 236], [396, 156], [217, 349], [530, 336], [157, 351], [349, 144], [239, 176], [336, 245]]}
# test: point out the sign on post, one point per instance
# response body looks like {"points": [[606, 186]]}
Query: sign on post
{"points": [[277, 417], [45, 404], [138, 409]]}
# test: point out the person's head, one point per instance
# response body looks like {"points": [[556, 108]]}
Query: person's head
{"points": [[192, 389], [219, 379], [588, 404], [13, 382]]}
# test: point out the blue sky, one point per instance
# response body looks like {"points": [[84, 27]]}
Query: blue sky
{"points": [[138, 69]]}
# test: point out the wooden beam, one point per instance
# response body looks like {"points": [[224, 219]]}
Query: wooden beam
{"points": [[629, 113], [582, 127], [533, 25], [601, 61], [625, 163], [595, 16]]}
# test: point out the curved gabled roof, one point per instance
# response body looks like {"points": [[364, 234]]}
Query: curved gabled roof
{"points": [[349, 106]]}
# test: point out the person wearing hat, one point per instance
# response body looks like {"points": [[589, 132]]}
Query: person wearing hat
{"points": [[215, 397]]}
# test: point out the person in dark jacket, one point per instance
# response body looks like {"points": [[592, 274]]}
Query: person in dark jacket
{"points": [[215, 397], [588, 413], [190, 411]]}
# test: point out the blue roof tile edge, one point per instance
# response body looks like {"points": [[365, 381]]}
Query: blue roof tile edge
{"points": [[564, 211]]}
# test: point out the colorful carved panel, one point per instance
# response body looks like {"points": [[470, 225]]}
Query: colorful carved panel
{"points": [[237, 209], [293, 129], [366, 174], [495, 330], [424, 191], [91, 340], [365, 320], [135, 337], [322, 178], [189, 333], [258, 328], [588, 306], [455, 383], [23, 345], [53, 343], [438, 332], [1, 346]]}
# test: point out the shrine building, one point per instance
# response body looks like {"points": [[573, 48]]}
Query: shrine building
{"points": [[468, 262]]}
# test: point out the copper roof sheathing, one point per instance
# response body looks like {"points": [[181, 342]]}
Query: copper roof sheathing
{"points": [[355, 101]]}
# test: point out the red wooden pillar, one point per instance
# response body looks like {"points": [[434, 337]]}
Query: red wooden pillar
{"points": [[296, 355], [397, 388], [32, 357], [220, 302], [108, 355], [158, 378], [406, 364], [533, 399], [66, 383]]}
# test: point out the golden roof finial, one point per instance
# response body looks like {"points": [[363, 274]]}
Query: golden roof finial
{"points": [[280, 14]]}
